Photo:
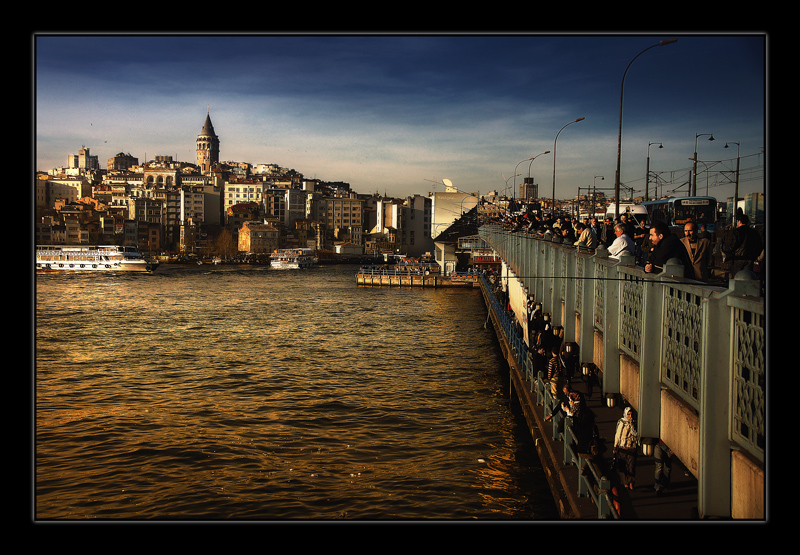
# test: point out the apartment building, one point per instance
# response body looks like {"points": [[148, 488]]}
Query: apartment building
{"points": [[258, 238]]}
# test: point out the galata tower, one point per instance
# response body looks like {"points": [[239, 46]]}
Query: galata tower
{"points": [[207, 146]]}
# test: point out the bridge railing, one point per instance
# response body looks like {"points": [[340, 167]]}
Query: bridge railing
{"points": [[653, 337]]}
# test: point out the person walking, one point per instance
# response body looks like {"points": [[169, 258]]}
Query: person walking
{"points": [[626, 441]]}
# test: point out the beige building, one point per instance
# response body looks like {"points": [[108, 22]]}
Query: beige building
{"points": [[344, 217], [258, 238]]}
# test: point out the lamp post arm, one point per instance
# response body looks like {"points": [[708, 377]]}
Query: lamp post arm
{"points": [[619, 132]]}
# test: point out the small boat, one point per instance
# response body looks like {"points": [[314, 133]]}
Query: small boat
{"points": [[293, 259], [99, 258]]}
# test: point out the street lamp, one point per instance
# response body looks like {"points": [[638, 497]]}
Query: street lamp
{"points": [[647, 178], [515, 176], [534, 158], [736, 187], [694, 169], [594, 191], [619, 135], [529, 165], [554, 160]]}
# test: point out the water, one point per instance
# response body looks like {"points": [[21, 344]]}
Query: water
{"points": [[244, 393]]}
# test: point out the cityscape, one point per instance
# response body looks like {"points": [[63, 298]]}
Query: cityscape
{"points": [[403, 132], [241, 392], [232, 210]]}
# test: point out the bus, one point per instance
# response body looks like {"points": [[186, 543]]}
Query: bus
{"points": [[636, 213], [676, 211]]}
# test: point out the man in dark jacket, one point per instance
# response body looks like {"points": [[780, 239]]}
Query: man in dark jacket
{"points": [[746, 245], [666, 245]]}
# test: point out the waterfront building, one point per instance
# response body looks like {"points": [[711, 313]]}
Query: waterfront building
{"points": [[68, 189], [258, 238], [238, 191], [285, 205], [343, 217]]}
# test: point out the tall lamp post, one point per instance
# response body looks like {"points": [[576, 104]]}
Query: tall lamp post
{"points": [[529, 165], [619, 135], [594, 191], [554, 159], [736, 186], [647, 178], [515, 176], [694, 169]]}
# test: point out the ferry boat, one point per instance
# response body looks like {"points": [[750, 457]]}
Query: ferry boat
{"points": [[100, 258], [293, 259]]}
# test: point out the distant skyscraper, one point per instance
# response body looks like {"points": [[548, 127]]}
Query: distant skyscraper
{"points": [[207, 146]]}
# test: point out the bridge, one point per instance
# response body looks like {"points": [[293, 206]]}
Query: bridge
{"points": [[688, 357]]}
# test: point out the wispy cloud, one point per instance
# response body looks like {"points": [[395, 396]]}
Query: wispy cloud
{"points": [[388, 112]]}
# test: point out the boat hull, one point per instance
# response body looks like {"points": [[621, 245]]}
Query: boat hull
{"points": [[292, 259], [45, 266], [82, 258]]}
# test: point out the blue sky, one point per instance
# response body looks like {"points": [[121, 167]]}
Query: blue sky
{"points": [[390, 114]]}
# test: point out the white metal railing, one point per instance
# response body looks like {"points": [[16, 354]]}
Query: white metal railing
{"points": [[701, 342]]}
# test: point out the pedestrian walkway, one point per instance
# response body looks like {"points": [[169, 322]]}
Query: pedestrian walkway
{"points": [[679, 502], [573, 494]]}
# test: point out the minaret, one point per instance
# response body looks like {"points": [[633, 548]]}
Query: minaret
{"points": [[207, 146]]}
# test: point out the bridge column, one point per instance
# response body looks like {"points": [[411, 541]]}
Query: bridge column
{"points": [[714, 475]]}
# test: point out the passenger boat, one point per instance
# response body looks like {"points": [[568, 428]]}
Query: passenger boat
{"points": [[293, 259], [100, 258]]}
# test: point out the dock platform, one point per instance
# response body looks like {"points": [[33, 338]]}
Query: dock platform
{"points": [[400, 277]]}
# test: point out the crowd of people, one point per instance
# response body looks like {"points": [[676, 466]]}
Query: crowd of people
{"points": [[652, 245]]}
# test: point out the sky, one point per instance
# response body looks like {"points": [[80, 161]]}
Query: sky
{"points": [[398, 114]]}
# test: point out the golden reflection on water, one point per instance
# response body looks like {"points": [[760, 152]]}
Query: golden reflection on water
{"points": [[236, 394]]}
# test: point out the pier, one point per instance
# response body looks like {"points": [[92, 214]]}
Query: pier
{"points": [[414, 276], [687, 357]]}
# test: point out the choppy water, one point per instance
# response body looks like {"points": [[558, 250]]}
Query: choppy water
{"points": [[246, 393]]}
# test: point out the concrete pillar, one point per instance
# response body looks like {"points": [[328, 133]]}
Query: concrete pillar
{"points": [[714, 476], [587, 310], [611, 296], [652, 334], [569, 322]]}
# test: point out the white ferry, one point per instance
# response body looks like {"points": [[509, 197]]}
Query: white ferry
{"points": [[293, 259], [102, 258]]}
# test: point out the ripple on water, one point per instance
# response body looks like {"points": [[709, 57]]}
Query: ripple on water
{"points": [[245, 393]]}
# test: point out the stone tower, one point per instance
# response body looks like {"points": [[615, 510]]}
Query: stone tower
{"points": [[207, 146]]}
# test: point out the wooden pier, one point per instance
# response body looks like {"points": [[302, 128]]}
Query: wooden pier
{"points": [[391, 278]]}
